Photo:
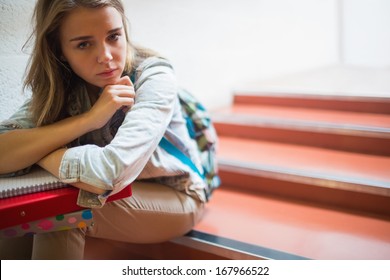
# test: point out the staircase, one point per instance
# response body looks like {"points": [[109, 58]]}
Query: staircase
{"points": [[304, 176]]}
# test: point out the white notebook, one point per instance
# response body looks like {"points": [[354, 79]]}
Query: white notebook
{"points": [[36, 180]]}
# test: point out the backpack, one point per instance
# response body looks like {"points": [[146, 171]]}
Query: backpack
{"points": [[200, 129]]}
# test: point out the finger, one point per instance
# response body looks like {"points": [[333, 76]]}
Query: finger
{"points": [[126, 104], [125, 80], [123, 91], [124, 98]]}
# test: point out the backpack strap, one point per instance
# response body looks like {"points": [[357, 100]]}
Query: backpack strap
{"points": [[173, 150]]}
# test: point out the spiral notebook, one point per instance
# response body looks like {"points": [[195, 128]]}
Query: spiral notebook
{"points": [[46, 211], [36, 180]]}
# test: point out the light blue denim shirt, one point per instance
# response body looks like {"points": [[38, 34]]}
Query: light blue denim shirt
{"points": [[112, 160]]}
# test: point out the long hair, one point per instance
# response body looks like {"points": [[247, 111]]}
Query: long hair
{"points": [[49, 78]]}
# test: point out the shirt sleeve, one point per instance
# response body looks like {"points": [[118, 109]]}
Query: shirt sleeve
{"points": [[21, 119], [119, 163]]}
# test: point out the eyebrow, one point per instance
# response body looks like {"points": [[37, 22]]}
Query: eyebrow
{"points": [[83, 38]]}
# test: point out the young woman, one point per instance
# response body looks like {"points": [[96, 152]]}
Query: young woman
{"points": [[90, 126]]}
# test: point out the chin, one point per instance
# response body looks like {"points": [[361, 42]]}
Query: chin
{"points": [[109, 82]]}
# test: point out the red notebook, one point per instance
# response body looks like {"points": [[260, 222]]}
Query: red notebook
{"points": [[25, 208]]}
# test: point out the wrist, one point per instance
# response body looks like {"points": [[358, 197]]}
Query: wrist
{"points": [[88, 122], [52, 161]]}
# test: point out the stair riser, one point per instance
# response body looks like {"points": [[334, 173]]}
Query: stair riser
{"points": [[99, 249], [330, 197], [375, 105], [351, 143]]}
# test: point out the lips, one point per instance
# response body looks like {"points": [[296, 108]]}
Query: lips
{"points": [[107, 73]]}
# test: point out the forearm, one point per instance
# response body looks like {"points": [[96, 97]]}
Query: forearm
{"points": [[23, 147]]}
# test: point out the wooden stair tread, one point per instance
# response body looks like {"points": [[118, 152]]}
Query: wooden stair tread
{"points": [[262, 114], [358, 168], [301, 229], [368, 104]]}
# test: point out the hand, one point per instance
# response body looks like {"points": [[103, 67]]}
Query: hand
{"points": [[113, 97]]}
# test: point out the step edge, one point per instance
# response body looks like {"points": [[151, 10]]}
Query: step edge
{"points": [[300, 94], [314, 126], [215, 249], [231, 248], [361, 185], [374, 104]]}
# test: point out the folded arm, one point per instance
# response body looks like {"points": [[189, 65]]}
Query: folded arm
{"points": [[119, 163], [21, 148]]}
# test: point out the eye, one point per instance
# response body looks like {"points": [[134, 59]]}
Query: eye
{"points": [[83, 45], [114, 37]]}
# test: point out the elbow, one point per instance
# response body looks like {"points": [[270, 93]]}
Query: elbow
{"points": [[6, 171], [3, 171], [108, 168], [121, 170], [2, 166], [6, 167], [4, 162]]}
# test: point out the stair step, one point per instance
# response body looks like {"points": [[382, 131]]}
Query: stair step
{"points": [[375, 105], [349, 131], [231, 248], [298, 230], [349, 180]]}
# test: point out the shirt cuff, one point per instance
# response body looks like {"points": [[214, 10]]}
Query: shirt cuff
{"points": [[70, 172], [70, 165]]}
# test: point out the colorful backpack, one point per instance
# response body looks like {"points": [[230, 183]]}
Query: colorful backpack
{"points": [[201, 129]]}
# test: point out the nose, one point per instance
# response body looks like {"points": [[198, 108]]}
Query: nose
{"points": [[104, 55]]}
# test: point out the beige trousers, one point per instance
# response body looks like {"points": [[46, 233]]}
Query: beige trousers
{"points": [[154, 213]]}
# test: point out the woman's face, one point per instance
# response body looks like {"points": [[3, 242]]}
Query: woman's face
{"points": [[93, 42]]}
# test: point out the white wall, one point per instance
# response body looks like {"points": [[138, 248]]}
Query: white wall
{"points": [[14, 29], [366, 33], [221, 44]]}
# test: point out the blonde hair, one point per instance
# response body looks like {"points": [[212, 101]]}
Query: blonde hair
{"points": [[50, 79]]}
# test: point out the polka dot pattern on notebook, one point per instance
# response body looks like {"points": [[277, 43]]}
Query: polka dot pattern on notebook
{"points": [[79, 219]]}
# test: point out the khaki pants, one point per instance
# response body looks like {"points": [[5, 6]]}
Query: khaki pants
{"points": [[154, 213]]}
